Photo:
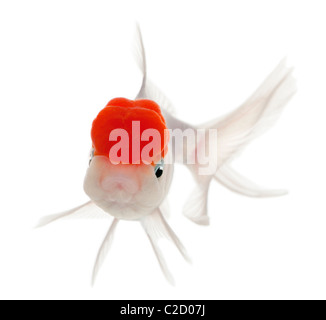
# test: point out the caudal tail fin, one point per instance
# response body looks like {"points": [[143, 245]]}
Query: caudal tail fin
{"points": [[234, 132], [235, 182]]}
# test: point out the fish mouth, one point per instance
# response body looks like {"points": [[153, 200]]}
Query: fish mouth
{"points": [[119, 185]]}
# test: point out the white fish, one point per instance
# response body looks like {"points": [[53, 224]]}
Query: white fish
{"points": [[122, 190]]}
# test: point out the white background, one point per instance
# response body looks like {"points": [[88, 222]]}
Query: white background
{"points": [[62, 61]]}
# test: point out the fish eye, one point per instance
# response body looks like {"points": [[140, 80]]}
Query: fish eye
{"points": [[159, 168], [91, 156]]}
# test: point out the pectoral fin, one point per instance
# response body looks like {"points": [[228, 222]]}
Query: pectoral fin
{"points": [[104, 249], [157, 228], [86, 210]]}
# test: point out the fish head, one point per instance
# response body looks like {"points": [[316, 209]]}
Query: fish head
{"points": [[127, 192], [128, 176]]}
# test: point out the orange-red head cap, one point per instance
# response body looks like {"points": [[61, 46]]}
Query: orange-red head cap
{"points": [[123, 131]]}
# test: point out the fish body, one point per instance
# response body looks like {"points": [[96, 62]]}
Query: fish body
{"points": [[134, 185]]}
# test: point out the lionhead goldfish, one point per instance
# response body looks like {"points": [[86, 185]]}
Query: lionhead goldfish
{"points": [[133, 156]]}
